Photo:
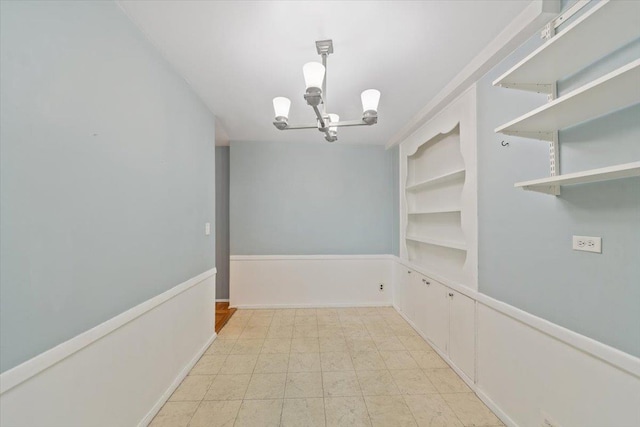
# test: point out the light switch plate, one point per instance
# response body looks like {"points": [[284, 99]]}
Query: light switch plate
{"points": [[207, 228], [587, 244]]}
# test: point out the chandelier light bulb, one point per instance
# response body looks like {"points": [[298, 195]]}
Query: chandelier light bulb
{"points": [[333, 118], [281, 106], [313, 74], [370, 99]]}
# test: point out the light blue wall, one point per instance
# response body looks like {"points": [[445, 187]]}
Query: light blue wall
{"points": [[107, 173], [222, 222], [311, 198], [525, 255]]}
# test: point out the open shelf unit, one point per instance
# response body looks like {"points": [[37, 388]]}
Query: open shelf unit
{"points": [[438, 194], [603, 28], [436, 176], [544, 185], [450, 176], [437, 242], [614, 91], [562, 54], [434, 211]]}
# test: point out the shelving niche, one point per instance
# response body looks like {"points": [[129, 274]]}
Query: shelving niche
{"points": [[603, 28], [438, 212]]}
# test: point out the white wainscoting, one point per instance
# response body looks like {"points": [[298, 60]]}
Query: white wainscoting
{"points": [[119, 373], [528, 368], [269, 281], [527, 373]]}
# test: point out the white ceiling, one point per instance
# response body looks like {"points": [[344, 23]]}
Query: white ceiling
{"points": [[239, 55]]}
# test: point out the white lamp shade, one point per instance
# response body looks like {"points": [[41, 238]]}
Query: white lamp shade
{"points": [[370, 99], [313, 74], [281, 106], [333, 118]]}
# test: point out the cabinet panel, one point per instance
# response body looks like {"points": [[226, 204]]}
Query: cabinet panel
{"points": [[402, 290], [437, 315], [413, 303], [462, 333], [422, 295]]}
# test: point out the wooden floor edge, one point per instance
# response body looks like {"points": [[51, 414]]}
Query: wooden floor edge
{"points": [[223, 314]]}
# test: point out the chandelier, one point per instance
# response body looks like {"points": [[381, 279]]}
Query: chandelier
{"points": [[316, 97]]}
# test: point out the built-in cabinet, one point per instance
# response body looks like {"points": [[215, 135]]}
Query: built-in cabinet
{"points": [[462, 332], [435, 180], [438, 215], [442, 315], [438, 209]]}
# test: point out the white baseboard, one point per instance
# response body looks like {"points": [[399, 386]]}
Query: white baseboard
{"points": [[223, 300], [495, 408], [288, 281], [174, 385], [114, 373]]}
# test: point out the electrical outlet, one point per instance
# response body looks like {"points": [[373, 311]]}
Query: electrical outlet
{"points": [[207, 228], [381, 287], [587, 244]]}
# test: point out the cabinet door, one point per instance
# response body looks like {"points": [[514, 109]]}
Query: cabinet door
{"points": [[462, 333], [403, 294], [413, 296], [437, 316], [405, 275], [420, 303]]}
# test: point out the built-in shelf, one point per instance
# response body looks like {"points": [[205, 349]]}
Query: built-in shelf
{"points": [[545, 185], [614, 91], [599, 31], [434, 211], [451, 176], [439, 242]]}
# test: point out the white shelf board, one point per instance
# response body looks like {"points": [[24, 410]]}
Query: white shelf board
{"points": [[544, 185], [614, 91], [438, 242], [451, 176], [435, 211], [602, 29]]}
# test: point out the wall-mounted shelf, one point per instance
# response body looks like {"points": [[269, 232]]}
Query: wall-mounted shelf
{"points": [[434, 211], [439, 242], [614, 91], [546, 185], [603, 28], [451, 176]]}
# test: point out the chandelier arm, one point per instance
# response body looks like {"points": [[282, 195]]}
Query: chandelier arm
{"points": [[346, 123], [321, 122], [309, 126]]}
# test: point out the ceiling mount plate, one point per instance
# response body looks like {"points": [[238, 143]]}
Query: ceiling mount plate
{"points": [[324, 47]]}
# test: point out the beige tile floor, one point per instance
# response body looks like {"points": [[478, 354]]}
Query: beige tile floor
{"points": [[322, 367]]}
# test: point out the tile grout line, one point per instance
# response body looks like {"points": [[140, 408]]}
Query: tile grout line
{"points": [[235, 421], [358, 380]]}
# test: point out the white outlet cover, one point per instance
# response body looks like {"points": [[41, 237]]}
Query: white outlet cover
{"points": [[587, 244], [207, 228]]}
